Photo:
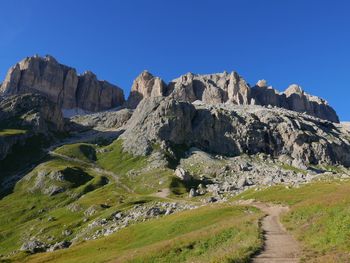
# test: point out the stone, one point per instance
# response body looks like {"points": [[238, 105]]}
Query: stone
{"points": [[53, 190], [241, 183], [103, 120], [192, 193], [33, 246], [182, 174], [61, 84], [59, 245], [67, 232]]}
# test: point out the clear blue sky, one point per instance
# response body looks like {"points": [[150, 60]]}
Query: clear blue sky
{"points": [[283, 41]]}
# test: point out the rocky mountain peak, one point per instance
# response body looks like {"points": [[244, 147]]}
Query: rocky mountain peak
{"points": [[229, 88], [261, 83], [294, 89], [90, 74], [61, 84], [144, 86]]}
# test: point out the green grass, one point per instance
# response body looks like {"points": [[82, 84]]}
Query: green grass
{"points": [[209, 234], [27, 210], [319, 217], [11, 132], [113, 158], [82, 151]]}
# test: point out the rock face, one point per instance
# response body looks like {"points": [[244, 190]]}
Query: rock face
{"points": [[293, 98], [145, 86], [230, 129], [229, 88], [32, 113], [211, 89], [106, 119], [61, 85]]}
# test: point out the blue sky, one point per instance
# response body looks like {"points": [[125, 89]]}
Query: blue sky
{"points": [[282, 41]]}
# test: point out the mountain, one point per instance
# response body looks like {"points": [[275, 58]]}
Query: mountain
{"points": [[230, 129], [28, 123], [62, 85], [229, 88], [184, 171]]}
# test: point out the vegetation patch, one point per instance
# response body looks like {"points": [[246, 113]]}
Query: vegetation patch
{"points": [[113, 158], [319, 217], [208, 234], [11, 132], [82, 151]]}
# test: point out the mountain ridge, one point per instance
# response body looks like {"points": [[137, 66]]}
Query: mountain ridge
{"points": [[62, 85]]}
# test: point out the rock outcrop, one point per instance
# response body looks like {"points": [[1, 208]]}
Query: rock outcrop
{"points": [[29, 115], [103, 120], [61, 84], [229, 88], [230, 129], [145, 86], [211, 88], [293, 98]]}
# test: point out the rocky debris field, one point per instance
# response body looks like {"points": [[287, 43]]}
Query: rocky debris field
{"points": [[105, 120], [223, 177], [121, 219]]}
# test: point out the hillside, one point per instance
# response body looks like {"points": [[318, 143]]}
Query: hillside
{"points": [[186, 171]]}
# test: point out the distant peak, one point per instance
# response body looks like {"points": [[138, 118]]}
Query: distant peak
{"points": [[261, 83], [293, 89]]}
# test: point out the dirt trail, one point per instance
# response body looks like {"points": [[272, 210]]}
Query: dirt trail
{"points": [[279, 246]]}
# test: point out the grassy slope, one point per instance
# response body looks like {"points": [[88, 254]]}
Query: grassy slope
{"points": [[113, 158], [11, 132], [209, 234], [319, 217], [28, 211], [82, 151]]}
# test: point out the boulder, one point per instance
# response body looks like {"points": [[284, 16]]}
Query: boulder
{"points": [[182, 174], [59, 245], [33, 246]]}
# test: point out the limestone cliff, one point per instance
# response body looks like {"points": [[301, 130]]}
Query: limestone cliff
{"points": [[230, 129], [61, 84], [29, 114], [231, 88]]}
